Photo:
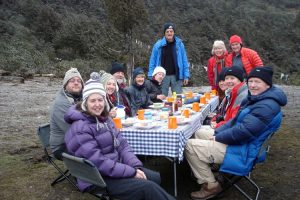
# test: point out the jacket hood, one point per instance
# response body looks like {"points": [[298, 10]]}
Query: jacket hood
{"points": [[274, 93], [74, 115]]}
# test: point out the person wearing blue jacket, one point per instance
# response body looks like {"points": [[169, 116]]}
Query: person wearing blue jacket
{"points": [[169, 52], [236, 144]]}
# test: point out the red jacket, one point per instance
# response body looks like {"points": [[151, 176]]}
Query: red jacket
{"points": [[213, 63], [250, 59], [237, 95]]}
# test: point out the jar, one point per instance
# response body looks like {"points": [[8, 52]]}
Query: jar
{"points": [[164, 114], [121, 112]]}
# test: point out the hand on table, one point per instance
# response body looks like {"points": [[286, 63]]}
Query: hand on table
{"points": [[140, 174], [161, 97]]}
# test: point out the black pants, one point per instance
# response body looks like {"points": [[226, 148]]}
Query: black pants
{"points": [[138, 189]]}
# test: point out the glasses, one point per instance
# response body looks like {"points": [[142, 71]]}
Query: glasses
{"points": [[74, 80]]}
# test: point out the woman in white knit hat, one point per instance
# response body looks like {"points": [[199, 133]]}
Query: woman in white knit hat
{"points": [[94, 136], [153, 86], [114, 99]]}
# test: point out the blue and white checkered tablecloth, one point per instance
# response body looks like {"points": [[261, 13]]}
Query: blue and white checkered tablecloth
{"points": [[161, 141]]}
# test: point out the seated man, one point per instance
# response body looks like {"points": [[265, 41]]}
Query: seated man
{"points": [[118, 71], [244, 132], [153, 86], [234, 95], [69, 94]]}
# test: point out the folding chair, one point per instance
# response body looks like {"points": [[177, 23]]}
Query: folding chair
{"points": [[232, 179], [43, 132], [85, 170]]}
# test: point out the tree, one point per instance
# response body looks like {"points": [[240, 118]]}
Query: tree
{"points": [[126, 15]]}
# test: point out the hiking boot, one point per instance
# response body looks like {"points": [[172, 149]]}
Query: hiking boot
{"points": [[208, 191]]}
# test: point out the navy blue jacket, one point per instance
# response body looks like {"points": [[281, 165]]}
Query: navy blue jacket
{"points": [[258, 117]]}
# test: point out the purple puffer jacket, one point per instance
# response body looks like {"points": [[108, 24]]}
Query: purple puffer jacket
{"points": [[105, 147]]}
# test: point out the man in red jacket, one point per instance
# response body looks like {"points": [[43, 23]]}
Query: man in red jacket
{"points": [[241, 56]]}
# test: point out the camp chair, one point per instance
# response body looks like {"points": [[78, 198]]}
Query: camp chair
{"points": [[85, 170], [232, 179], [44, 136]]}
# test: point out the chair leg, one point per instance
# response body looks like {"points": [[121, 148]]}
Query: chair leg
{"points": [[233, 182], [63, 175]]}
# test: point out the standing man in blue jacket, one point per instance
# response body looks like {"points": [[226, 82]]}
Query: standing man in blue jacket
{"points": [[169, 52], [236, 144]]}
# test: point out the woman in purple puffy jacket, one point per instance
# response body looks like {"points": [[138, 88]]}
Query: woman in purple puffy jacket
{"points": [[93, 136]]}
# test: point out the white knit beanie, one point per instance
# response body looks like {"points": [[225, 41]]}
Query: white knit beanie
{"points": [[92, 86], [218, 43], [159, 69], [71, 73], [105, 77]]}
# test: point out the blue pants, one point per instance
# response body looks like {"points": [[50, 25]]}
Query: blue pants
{"points": [[138, 189], [170, 80]]}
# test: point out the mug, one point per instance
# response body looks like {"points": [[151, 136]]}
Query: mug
{"points": [[117, 122], [207, 95], [214, 92], [141, 114], [186, 113], [203, 99], [172, 122], [196, 107]]}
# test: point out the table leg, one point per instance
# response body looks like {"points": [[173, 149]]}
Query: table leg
{"points": [[175, 177]]}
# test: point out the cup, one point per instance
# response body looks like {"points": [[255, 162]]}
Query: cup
{"points": [[141, 114], [170, 99], [117, 121], [172, 122], [203, 99], [186, 113], [196, 107], [207, 95], [189, 95], [214, 92]]}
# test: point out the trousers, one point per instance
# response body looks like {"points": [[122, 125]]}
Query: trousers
{"points": [[201, 152], [171, 80], [138, 189]]}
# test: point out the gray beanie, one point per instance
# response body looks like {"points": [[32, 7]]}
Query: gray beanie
{"points": [[105, 77], [71, 73]]}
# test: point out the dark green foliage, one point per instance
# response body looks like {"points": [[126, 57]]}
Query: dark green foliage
{"points": [[52, 35]]}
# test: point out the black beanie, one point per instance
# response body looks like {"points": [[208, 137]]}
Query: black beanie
{"points": [[116, 67], [137, 71], [221, 76], [235, 71], [169, 25], [264, 73]]}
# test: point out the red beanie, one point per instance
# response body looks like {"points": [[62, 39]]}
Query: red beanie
{"points": [[235, 38]]}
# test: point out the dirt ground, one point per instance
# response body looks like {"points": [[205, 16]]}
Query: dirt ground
{"points": [[25, 175]]}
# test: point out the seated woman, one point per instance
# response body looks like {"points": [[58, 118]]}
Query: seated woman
{"points": [[153, 86], [137, 93], [94, 136], [111, 87]]}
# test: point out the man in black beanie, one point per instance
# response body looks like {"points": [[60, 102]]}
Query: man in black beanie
{"points": [[259, 79], [169, 52], [118, 72]]}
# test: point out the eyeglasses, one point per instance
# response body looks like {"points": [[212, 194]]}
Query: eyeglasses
{"points": [[75, 80]]}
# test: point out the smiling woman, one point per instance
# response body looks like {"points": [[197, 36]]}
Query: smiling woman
{"points": [[94, 136]]}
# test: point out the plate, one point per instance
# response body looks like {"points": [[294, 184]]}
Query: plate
{"points": [[185, 121], [128, 122], [142, 126], [156, 107]]}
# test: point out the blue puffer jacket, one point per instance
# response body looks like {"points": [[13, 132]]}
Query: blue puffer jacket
{"points": [[101, 143], [258, 117], [182, 61]]}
